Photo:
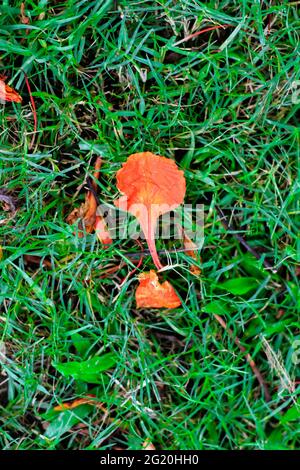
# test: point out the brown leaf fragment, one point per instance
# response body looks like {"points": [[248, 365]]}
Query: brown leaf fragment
{"points": [[78, 402], [86, 215], [37, 260], [191, 250], [7, 205], [24, 18]]}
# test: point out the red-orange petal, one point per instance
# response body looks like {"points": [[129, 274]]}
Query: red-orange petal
{"points": [[152, 185], [9, 94], [153, 294]]}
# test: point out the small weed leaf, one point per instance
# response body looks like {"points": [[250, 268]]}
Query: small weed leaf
{"points": [[88, 371], [240, 285]]}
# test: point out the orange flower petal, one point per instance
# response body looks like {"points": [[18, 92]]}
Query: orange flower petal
{"points": [[153, 294], [8, 94], [152, 185]]}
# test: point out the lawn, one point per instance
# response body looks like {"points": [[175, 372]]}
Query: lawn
{"points": [[109, 79]]}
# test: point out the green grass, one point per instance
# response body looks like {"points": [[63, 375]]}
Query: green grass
{"points": [[113, 82]]}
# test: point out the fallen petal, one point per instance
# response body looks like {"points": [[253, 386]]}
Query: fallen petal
{"points": [[151, 185], [153, 294], [9, 94]]}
